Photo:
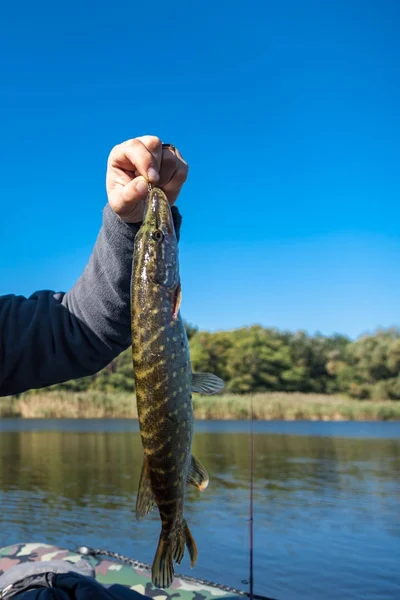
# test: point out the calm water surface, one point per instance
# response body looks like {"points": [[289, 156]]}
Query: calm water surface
{"points": [[327, 500]]}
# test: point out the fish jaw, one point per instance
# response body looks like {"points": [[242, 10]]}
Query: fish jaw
{"points": [[157, 212], [156, 257]]}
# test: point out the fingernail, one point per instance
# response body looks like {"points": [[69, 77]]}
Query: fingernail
{"points": [[141, 186], [153, 175]]}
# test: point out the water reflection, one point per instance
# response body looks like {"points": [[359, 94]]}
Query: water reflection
{"points": [[326, 508], [76, 465]]}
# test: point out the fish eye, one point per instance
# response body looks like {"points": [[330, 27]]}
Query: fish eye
{"points": [[158, 235]]}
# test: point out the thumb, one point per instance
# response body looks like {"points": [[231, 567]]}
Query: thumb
{"points": [[131, 204]]}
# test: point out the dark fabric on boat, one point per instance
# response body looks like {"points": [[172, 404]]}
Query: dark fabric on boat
{"points": [[67, 586]]}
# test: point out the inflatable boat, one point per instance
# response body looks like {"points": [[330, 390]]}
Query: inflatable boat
{"points": [[112, 568]]}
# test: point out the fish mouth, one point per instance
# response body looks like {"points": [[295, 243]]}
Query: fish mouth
{"points": [[157, 212]]}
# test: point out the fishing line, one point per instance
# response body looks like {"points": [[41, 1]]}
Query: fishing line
{"points": [[251, 493], [250, 580]]}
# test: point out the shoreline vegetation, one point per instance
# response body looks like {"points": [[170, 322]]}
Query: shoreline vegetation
{"points": [[287, 406], [290, 376]]}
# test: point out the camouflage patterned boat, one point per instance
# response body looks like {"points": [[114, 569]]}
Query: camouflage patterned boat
{"points": [[111, 568]]}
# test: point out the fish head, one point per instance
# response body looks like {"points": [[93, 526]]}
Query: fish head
{"points": [[157, 241]]}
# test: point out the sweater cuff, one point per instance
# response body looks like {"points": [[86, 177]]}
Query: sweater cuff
{"points": [[116, 226]]}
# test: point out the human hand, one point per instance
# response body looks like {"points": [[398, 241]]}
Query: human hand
{"points": [[134, 164]]}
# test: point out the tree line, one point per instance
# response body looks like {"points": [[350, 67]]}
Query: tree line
{"points": [[258, 359]]}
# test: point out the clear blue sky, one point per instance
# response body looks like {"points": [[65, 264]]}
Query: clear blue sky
{"points": [[288, 113]]}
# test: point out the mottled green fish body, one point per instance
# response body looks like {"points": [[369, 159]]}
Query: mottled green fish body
{"points": [[164, 383]]}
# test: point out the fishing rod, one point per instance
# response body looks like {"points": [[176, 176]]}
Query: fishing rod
{"points": [[250, 580]]}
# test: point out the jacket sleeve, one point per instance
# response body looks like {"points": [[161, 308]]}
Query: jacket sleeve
{"points": [[52, 337]]}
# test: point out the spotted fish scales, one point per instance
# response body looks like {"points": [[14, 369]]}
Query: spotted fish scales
{"points": [[164, 384]]}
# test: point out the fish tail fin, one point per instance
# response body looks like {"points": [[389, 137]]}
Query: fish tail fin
{"points": [[190, 544], [179, 547], [162, 572]]}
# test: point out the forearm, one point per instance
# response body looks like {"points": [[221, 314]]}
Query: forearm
{"points": [[53, 337]]}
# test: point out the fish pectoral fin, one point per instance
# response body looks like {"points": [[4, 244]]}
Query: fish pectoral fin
{"points": [[177, 301], [206, 383], [145, 500], [198, 475]]}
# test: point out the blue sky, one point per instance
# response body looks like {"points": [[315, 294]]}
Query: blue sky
{"points": [[288, 114]]}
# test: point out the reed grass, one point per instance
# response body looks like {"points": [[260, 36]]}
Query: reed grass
{"points": [[268, 406]]}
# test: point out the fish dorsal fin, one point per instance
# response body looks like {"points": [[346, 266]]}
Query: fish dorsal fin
{"points": [[145, 501], [206, 383], [198, 475]]}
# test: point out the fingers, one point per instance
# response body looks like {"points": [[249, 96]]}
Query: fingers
{"points": [[134, 191], [137, 162], [173, 173], [154, 146], [139, 156]]}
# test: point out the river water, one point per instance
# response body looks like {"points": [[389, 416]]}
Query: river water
{"points": [[326, 500]]}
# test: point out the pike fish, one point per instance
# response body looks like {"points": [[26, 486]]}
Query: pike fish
{"points": [[164, 384]]}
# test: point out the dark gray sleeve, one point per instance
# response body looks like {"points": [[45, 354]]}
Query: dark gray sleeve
{"points": [[53, 337]]}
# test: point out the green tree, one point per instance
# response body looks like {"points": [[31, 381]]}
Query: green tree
{"points": [[310, 358], [191, 330], [257, 360], [371, 366], [208, 352]]}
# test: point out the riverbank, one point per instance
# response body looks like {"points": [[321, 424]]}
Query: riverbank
{"points": [[269, 406]]}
